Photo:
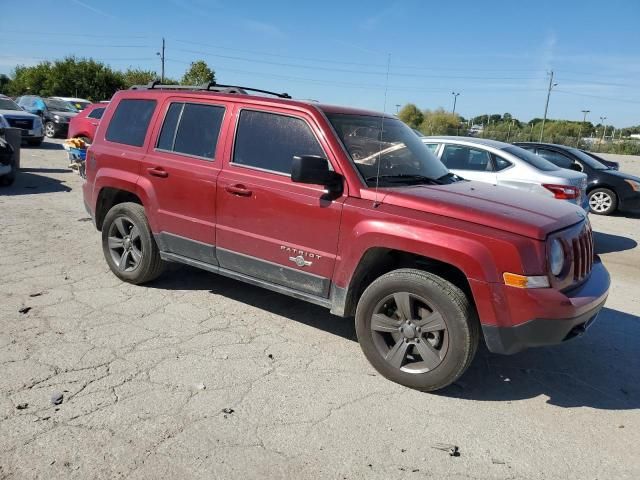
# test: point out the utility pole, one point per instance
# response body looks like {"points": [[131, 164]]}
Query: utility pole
{"points": [[604, 129], [584, 120], [161, 55], [455, 97], [546, 107]]}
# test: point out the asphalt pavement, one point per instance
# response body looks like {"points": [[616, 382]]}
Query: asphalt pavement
{"points": [[199, 376]]}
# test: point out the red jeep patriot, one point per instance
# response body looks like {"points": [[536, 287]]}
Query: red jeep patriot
{"points": [[343, 208]]}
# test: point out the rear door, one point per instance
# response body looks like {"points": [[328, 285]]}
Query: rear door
{"points": [[469, 162], [181, 168], [268, 227]]}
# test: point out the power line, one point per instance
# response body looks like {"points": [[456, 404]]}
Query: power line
{"points": [[615, 99]]}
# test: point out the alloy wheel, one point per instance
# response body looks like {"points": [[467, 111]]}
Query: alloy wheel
{"points": [[409, 333], [49, 130], [125, 244], [600, 202]]}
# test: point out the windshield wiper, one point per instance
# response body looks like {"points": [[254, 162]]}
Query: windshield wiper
{"points": [[405, 178]]}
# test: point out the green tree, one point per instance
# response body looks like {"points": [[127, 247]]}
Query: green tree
{"points": [[4, 83], [70, 76], [440, 122], [137, 76], [198, 74], [411, 115]]}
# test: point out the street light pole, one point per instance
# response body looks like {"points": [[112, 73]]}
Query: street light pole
{"points": [[584, 120], [604, 129], [397, 108], [546, 107], [161, 55], [455, 97]]}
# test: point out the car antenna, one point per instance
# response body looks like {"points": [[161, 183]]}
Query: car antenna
{"points": [[376, 203]]}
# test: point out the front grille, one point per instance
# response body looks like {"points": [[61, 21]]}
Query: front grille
{"points": [[24, 123], [582, 249]]}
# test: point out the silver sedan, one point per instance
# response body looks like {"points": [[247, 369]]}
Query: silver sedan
{"points": [[504, 164]]}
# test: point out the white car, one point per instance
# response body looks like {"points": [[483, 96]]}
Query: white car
{"points": [[79, 103], [507, 165]]}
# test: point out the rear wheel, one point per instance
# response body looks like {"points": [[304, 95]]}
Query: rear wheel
{"points": [[417, 329], [603, 201], [128, 245]]}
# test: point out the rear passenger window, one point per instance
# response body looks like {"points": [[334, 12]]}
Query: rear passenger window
{"points": [[130, 122], [270, 141], [191, 129], [97, 113]]}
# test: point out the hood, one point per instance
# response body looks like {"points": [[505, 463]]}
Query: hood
{"points": [[621, 175], [17, 114], [527, 214], [64, 114]]}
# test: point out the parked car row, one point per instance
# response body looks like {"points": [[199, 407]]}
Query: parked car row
{"points": [[563, 172]]}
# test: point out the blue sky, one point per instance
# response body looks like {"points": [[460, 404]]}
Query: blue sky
{"points": [[496, 54]]}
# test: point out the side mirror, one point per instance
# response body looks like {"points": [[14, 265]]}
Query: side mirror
{"points": [[315, 170], [39, 113], [576, 166]]}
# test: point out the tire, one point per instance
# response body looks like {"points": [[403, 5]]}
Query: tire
{"points": [[142, 263], [433, 303], [9, 179], [50, 129], [602, 201]]}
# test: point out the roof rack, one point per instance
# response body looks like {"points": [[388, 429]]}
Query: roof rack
{"points": [[211, 87]]}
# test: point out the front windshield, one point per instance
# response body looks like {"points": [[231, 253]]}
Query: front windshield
{"points": [[531, 158], [7, 104], [590, 161], [59, 105], [386, 149]]}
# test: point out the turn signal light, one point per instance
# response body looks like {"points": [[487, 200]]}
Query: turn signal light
{"points": [[563, 192], [522, 281]]}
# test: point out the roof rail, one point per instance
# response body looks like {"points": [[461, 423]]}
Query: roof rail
{"points": [[211, 87]]}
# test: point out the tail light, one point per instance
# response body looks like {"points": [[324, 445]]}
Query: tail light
{"points": [[563, 192]]}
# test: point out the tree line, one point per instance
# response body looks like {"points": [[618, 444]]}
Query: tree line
{"points": [[90, 79], [506, 128]]}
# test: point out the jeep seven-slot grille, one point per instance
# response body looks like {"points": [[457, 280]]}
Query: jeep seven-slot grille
{"points": [[582, 247]]}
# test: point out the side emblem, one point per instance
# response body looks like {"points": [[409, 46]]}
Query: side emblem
{"points": [[300, 261]]}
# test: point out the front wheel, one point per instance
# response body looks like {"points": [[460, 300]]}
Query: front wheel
{"points": [[128, 245], [603, 201], [50, 129], [417, 329]]}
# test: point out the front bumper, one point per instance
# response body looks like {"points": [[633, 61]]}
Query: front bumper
{"points": [[553, 316], [630, 201]]}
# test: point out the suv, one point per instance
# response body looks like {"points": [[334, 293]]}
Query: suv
{"points": [[12, 115], [267, 191]]}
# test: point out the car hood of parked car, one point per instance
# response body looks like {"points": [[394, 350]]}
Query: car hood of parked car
{"points": [[527, 214], [17, 113], [621, 175], [64, 114]]}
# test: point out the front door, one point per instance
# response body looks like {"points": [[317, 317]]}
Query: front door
{"points": [[182, 166], [267, 226]]}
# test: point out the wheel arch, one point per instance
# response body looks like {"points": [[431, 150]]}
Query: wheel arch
{"points": [[110, 196]]}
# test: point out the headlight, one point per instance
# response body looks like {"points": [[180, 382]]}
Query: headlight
{"points": [[635, 185], [3, 122], [37, 122], [56, 117], [556, 257]]}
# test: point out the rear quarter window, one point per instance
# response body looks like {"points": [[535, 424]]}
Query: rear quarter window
{"points": [[96, 113], [130, 122]]}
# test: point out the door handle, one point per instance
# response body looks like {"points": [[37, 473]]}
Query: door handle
{"points": [[158, 172], [95, 124], [239, 190]]}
